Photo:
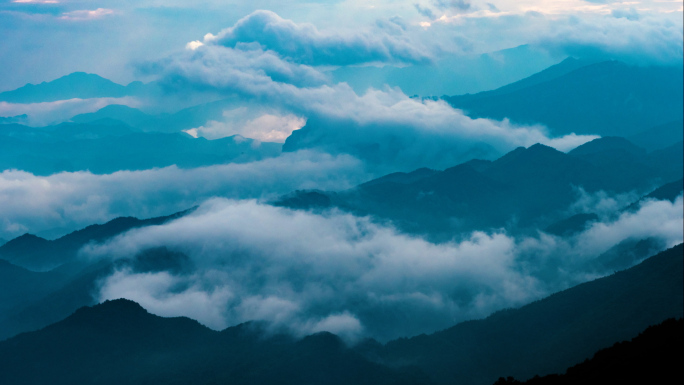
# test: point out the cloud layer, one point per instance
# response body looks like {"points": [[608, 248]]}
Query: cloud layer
{"points": [[42, 114], [411, 133], [69, 201], [304, 272]]}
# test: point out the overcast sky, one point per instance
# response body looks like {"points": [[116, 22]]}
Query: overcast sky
{"points": [[46, 39]]}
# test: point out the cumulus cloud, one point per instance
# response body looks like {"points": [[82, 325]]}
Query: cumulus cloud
{"points": [[256, 123], [41, 114], [304, 43], [70, 201], [623, 35], [305, 272], [647, 35], [245, 63], [400, 131]]}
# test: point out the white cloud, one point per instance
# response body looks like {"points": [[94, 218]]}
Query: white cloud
{"points": [[305, 272], [42, 114], [337, 272], [75, 200], [260, 124], [85, 14], [659, 219], [304, 43], [193, 45], [410, 133]]}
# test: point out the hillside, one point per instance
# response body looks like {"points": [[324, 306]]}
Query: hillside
{"points": [[552, 334], [654, 356], [607, 98], [119, 342], [485, 195]]}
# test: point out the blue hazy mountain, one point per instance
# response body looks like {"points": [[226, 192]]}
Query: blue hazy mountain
{"points": [[660, 137], [76, 85], [118, 341], [485, 195], [571, 225], [32, 297], [128, 115], [106, 146], [552, 334], [568, 65], [450, 74], [21, 119], [38, 254], [606, 98], [186, 118]]}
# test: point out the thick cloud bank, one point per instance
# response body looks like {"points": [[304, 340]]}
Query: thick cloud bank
{"points": [[72, 200], [304, 272], [410, 133], [43, 114], [305, 44]]}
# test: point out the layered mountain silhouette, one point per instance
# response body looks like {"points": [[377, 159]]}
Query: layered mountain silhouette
{"points": [[653, 357], [119, 342], [450, 74], [186, 118], [42, 281], [482, 194], [107, 146], [660, 137], [552, 334], [606, 98], [76, 85], [35, 253]]}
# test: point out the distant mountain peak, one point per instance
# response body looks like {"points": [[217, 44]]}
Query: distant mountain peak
{"points": [[110, 312], [535, 152], [22, 241], [608, 143], [541, 148], [120, 305], [75, 85]]}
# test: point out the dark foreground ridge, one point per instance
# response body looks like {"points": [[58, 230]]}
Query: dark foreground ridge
{"points": [[120, 342], [653, 357]]}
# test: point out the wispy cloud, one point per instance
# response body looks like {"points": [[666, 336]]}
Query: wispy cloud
{"points": [[36, 1], [81, 15], [41, 114]]}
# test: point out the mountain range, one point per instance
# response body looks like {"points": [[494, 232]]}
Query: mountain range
{"points": [[76, 85], [44, 280], [118, 341], [53, 330], [106, 146], [482, 195]]}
